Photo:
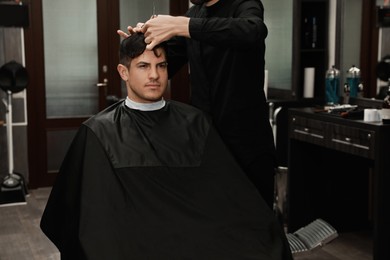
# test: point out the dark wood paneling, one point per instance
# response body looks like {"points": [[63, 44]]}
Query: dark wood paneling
{"points": [[36, 100]]}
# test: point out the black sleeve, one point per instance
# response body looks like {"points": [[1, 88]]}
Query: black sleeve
{"points": [[176, 55], [242, 27]]}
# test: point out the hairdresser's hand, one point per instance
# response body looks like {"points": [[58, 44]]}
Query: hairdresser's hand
{"points": [[131, 30], [163, 27]]}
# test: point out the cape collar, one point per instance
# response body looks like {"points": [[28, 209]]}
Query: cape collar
{"points": [[145, 106]]}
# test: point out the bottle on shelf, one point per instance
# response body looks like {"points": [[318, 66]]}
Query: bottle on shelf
{"points": [[353, 85], [332, 86]]}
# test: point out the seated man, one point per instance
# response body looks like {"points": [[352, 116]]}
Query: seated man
{"points": [[150, 179]]}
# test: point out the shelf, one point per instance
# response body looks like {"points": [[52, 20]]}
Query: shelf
{"points": [[311, 48]]}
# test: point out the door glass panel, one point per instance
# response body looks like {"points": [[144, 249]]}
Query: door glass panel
{"points": [[71, 58]]}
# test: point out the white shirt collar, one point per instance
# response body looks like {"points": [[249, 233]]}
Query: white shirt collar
{"points": [[145, 106]]}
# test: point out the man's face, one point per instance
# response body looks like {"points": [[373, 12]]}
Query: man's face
{"points": [[147, 76]]}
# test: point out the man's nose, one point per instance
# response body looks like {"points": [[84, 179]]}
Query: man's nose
{"points": [[153, 73]]}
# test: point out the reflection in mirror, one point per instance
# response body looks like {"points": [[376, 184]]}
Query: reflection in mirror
{"points": [[345, 18]]}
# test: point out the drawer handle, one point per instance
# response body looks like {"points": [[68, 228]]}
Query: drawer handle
{"points": [[306, 132], [348, 142]]}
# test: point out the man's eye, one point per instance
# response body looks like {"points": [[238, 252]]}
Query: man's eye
{"points": [[142, 66], [163, 65]]}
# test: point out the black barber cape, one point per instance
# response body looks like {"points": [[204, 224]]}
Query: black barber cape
{"points": [[157, 185]]}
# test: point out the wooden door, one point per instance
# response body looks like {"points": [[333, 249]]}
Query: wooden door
{"points": [[71, 56]]}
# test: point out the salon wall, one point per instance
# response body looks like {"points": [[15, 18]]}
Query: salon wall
{"points": [[11, 48]]}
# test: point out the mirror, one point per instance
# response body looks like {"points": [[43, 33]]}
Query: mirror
{"points": [[350, 21], [343, 45]]}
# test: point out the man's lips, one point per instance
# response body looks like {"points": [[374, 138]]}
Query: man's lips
{"points": [[153, 85]]}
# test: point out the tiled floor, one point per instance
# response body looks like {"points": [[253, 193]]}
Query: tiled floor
{"points": [[22, 239], [20, 235]]}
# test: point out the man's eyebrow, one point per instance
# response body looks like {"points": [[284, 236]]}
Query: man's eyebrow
{"points": [[143, 62], [148, 63]]}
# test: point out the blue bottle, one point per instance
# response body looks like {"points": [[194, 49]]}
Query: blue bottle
{"points": [[353, 84], [332, 86]]}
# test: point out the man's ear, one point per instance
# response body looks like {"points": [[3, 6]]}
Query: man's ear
{"points": [[123, 72]]}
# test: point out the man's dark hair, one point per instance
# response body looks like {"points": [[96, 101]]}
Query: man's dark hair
{"points": [[133, 46]]}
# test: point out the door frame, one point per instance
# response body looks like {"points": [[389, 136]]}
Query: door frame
{"points": [[33, 36], [38, 124]]}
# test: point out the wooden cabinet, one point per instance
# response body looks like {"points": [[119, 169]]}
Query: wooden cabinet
{"points": [[347, 139], [338, 171]]}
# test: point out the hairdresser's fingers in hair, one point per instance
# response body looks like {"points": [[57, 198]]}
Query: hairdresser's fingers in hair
{"points": [[131, 30], [122, 34], [148, 40], [139, 25], [151, 45]]}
